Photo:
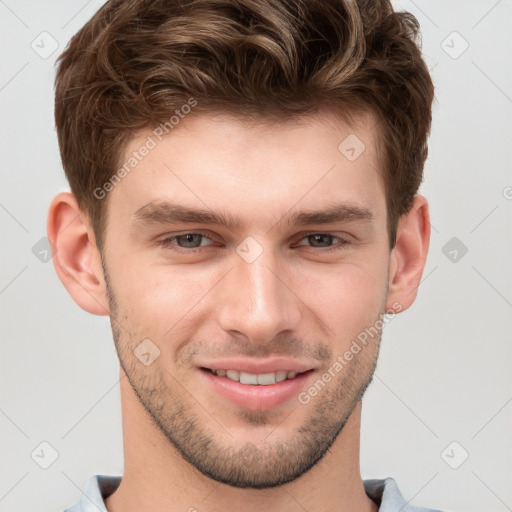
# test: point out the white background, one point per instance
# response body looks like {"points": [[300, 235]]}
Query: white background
{"points": [[444, 372]]}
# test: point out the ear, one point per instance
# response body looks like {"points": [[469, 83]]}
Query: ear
{"points": [[408, 257], [75, 255]]}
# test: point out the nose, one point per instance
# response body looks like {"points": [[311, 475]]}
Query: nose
{"points": [[257, 300]]}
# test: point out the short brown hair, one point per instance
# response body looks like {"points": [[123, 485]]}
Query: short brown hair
{"points": [[136, 61]]}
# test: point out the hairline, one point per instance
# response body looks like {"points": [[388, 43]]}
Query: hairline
{"points": [[349, 113]]}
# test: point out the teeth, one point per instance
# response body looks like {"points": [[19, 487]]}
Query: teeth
{"points": [[248, 378], [280, 375], [263, 379], [266, 378], [233, 374]]}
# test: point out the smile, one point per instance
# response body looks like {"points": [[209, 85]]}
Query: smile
{"points": [[261, 379], [256, 391]]}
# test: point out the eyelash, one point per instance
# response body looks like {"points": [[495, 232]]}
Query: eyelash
{"points": [[168, 242]]}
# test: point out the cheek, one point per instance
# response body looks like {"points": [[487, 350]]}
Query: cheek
{"points": [[170, 301], [160, 300], [349, 298]]}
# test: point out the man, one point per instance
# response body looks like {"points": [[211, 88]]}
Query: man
{"points": [[244, 207]]}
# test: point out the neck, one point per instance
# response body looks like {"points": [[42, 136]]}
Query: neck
{"points": [[156, 478]]}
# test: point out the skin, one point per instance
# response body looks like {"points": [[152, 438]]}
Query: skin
{"points": [[186, 447]]}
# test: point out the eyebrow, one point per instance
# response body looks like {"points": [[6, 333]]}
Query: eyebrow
{"points": [[165, 212]]}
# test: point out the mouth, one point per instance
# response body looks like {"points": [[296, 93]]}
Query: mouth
{"points": [[253, 391], [256, 379]]}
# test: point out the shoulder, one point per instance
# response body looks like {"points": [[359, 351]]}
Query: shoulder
{"points": [[386, 493], [96, 489]]}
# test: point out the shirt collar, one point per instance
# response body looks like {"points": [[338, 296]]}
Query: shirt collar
{"points": [[384, 492]]}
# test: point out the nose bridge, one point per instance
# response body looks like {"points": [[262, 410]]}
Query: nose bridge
{"points": [[257, 302]]}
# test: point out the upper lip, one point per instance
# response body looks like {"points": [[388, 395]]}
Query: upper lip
{"points": [[257, 366]]}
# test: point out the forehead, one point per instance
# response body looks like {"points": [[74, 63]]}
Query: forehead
{"points": [[258, 171]]}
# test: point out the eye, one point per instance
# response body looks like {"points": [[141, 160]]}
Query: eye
{"points": [[321, 240], [186, 242]]}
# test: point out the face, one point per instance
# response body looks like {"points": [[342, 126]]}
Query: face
{"points": [[238, 255]]}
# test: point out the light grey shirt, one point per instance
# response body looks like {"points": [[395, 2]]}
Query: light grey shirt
{"points": [[384, 492]]}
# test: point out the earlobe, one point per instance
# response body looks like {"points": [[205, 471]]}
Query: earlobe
{"points": [[409, 255], [76, 257]]}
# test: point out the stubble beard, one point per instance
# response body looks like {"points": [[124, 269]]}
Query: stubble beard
{"points": [[269, 464]]}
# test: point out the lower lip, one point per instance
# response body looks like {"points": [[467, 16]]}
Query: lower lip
{"points": [[257, 397]]}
